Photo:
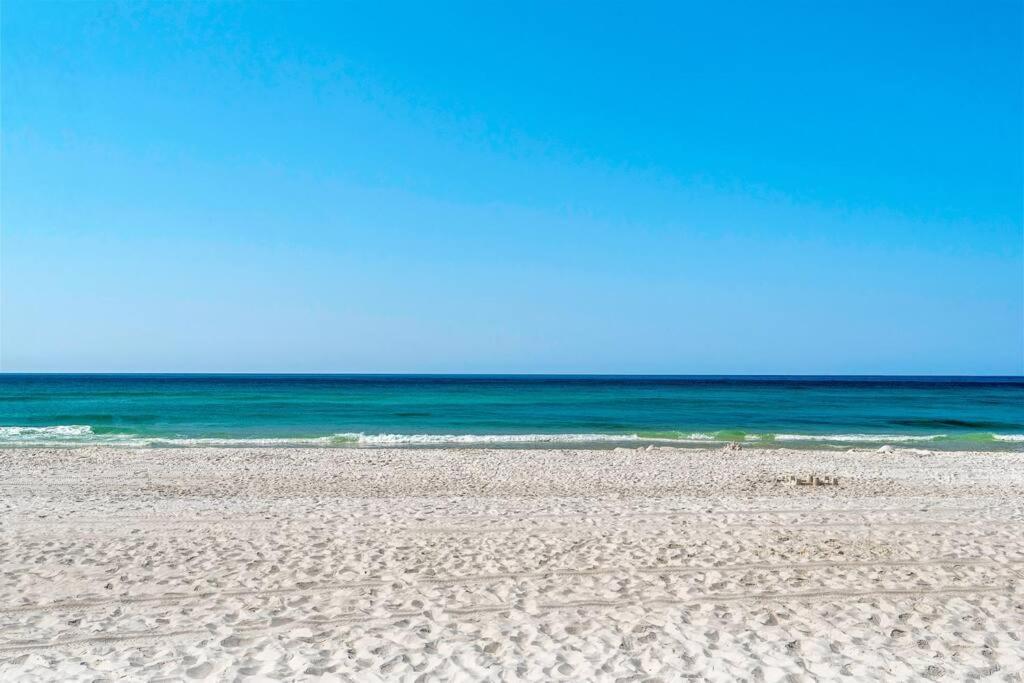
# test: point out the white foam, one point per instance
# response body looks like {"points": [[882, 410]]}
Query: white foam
{"points": [[402, 439], [1008, 437], [55, 431], [214, 441], [697, 436], [84, 435], [428, 439], [80, 434], [858, 437]]}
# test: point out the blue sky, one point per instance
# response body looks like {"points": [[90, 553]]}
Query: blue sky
{"points": [[533, 187]]}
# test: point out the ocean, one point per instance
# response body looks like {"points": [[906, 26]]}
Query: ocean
{"points": [[977, 413]]}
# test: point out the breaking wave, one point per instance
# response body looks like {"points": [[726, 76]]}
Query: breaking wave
{"points": [[853, 438], [58, 431], [1008, 437], [84, 435]]}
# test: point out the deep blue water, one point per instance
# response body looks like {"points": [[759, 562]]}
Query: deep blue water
{"points": [[934, 412]]}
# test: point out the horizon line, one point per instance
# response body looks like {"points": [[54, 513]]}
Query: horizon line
{"points": [[509, 374]]}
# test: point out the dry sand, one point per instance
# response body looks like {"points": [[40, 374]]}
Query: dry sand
{"points": [[249, 564]]}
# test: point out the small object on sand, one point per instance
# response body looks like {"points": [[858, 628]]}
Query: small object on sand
{"points": [[732, 446], [811, 480], [886, 449]]}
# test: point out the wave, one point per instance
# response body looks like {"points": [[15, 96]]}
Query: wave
{"points": [[851, 438], [66, 435], [427, 439], [359, 439], [1008, 437], [55, 431], [943, 423]]}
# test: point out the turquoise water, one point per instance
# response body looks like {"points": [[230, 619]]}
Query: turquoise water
{"points": [[335, 410]]}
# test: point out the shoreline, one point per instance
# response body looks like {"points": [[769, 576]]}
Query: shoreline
{"points": [[376, 563], [997, 443]]}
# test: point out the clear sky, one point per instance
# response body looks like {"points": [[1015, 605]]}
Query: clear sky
{"points": [[811, 187]]}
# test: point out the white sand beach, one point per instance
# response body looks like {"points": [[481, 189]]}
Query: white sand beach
{"points": [[415, 564]]}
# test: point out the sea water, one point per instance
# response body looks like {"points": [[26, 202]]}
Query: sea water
{"points": [[977, 413]]}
